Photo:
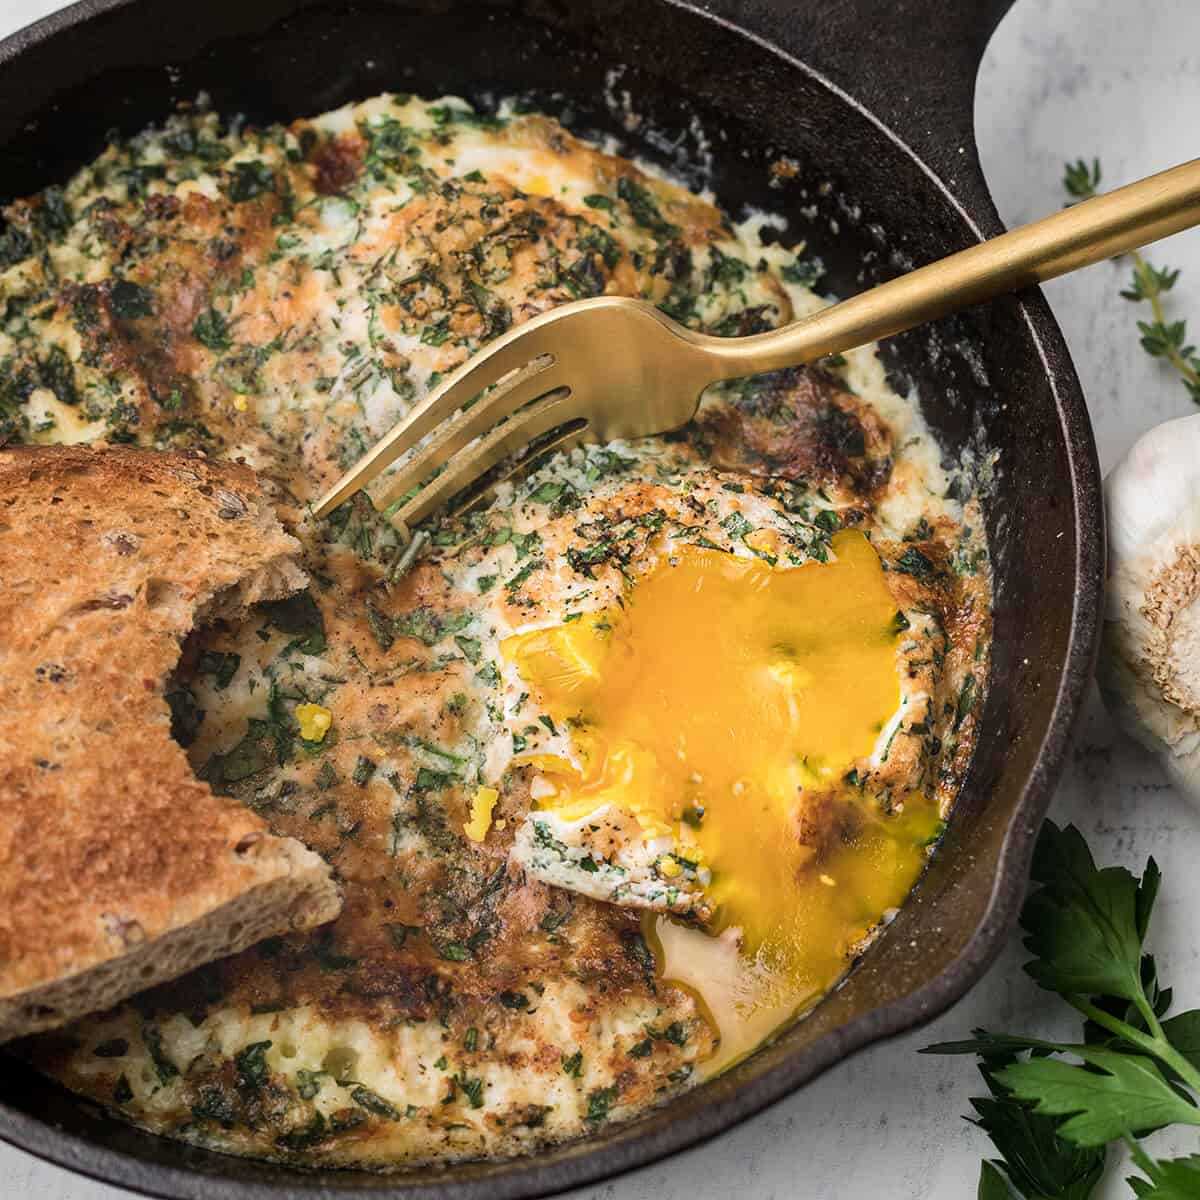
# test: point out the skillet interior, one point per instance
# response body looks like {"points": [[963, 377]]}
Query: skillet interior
{"points": [[995, 380]]}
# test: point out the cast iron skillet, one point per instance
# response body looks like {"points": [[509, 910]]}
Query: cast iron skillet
{"points": [[872, 101]]}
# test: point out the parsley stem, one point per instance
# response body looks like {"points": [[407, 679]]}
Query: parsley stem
{"points": [[409, 556], [1145, 1163], [1153, 1043], [1150, 1017]]}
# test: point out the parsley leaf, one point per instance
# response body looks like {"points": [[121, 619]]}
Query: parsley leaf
{"points": [[1127, 1095], [1035, 1159], [1054, 1106], [1085, 925], [1174, 1179], [212, 330]]}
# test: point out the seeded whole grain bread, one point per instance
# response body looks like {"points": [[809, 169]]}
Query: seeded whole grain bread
{"points": [[118, 867]]}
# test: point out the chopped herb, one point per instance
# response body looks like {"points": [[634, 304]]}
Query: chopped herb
{"points": [[471, 647], [221, 666], [15, 245], [599, 1102], [373, 1103], [641, 1049], [636, 949], [514, 1000], [675, 1033], [298, 615], [164, 1068], [966, 700], [58, 374], [736, 525], [643, 209], [573, 1065], [381, 627], [250, 179], [807, 272], [53, 216], [553, 917], [472, 1089], [401, 933], [436, 335], [308, 1083], [251, 1064], [216, 1103], [130, 300], [363, 770], [913, 562], [513, 585], [421, 623], [212, 330]]}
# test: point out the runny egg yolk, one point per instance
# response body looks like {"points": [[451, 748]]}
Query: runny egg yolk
{"points": [[723, 706]]}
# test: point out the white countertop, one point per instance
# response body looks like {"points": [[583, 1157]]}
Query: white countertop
{"points": [[1062, 79]]}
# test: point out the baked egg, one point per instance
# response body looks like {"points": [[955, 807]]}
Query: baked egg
{"points": [[702, 740]]}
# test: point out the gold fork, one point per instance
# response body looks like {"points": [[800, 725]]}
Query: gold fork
{"points": [[613, 367]]}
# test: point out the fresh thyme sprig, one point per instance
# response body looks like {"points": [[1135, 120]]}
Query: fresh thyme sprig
{"points": [[1055, 1107], [1160, 338]]}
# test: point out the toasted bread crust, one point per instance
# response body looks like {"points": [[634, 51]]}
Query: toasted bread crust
{"points": [[108, 842]]}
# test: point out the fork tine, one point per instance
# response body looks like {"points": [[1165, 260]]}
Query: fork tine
{"points": [[558, 408], [513, 354], [466, 425], [567, 440]]}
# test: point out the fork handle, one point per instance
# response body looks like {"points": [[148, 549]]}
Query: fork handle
{"points": [[1087, 233]]}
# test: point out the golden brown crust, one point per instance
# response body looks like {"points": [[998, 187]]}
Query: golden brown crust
{"points": [[108, 841], [803, 425]]}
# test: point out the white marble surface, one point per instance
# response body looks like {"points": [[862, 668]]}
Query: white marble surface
{"points": [[1063, 78]]}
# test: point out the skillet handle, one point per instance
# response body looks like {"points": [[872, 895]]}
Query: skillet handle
{"points": [[911, 63]]}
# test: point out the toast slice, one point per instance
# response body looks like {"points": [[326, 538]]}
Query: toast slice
{"points": [[118, 867]]}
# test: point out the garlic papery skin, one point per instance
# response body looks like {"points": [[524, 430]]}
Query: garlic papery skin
{"points": [[1149, 669]]}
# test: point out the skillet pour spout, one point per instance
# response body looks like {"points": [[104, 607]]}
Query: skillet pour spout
{"points": [[852, 118]]}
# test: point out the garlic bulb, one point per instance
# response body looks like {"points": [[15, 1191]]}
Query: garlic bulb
{"points": [[1149, 669]]}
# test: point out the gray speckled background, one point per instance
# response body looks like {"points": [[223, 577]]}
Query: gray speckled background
{"points": [[1062, 78]]}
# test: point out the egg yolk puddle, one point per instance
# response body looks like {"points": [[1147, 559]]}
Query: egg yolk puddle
{"points": [[723, 706]]}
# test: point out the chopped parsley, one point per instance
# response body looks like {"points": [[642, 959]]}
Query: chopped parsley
{"points": [[599, 1102], [212, 330]]}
